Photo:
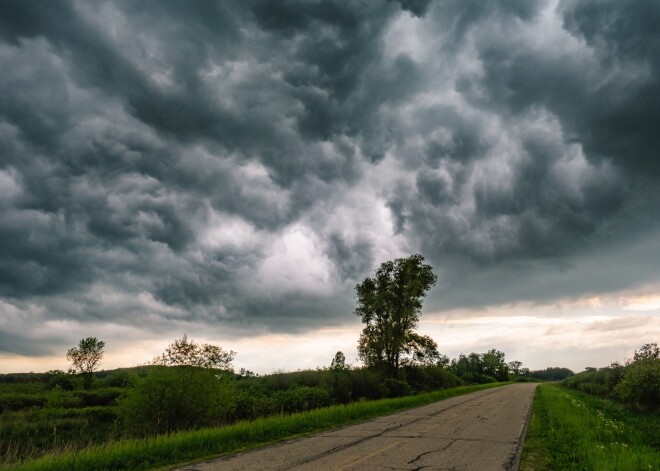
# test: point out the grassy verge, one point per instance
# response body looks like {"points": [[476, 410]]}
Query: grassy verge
{"points": [[569, 430], [183, 447]]}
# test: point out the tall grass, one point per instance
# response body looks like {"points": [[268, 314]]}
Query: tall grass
{"points": [[570, 430], [183, 447]]}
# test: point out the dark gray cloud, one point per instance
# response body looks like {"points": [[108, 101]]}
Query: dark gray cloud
{"points": [[243, 164]]}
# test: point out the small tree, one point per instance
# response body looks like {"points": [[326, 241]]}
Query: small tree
{"points": [[184, 352], [515, 367], [389, 305], [338, 362], [85, 358], [493, 364]]}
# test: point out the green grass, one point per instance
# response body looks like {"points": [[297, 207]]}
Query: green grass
{"points": [[184, 447], [570, 430]]}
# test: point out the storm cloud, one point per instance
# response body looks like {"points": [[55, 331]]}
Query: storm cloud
{"points": [[241, 165]]}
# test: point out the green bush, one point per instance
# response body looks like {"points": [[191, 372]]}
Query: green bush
{"points": [[430, 378], [99, 397], [395, 388], [59, 398], [176, 398], [595, 389], [250, 404], [640, 385], [120, 379], [18, 401], [367, 384], [63, 381], [301, 399]]}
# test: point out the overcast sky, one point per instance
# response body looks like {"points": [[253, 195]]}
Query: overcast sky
{"points": [[232, 169]]}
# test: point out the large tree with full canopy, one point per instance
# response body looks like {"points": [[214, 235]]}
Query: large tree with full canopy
{"points": [[390, 305]]}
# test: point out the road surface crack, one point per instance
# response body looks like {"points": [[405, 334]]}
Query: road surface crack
{"points": [[428, 453], [380, 434]]}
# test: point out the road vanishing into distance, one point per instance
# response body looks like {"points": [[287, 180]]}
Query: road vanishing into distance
{"points": [[480, 431]]}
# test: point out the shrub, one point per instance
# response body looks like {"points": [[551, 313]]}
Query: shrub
{"points": [[249, 404], [366, 383], [595, 389], [640, 385], [63, 381], [99, 397], [301, 399], [395, 388], [430, 378], [121, 379], [176, 398], [20, 401], [59, 398]]}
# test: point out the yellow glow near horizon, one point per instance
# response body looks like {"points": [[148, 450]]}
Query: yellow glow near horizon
{"points": [[591, 331]]}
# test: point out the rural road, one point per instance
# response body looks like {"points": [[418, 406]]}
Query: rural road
{"points": [[479, 431]]}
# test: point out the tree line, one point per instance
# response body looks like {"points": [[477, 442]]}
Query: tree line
{"points": [[191, 385]]}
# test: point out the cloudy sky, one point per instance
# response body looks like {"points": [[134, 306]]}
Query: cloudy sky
{"points": [[232, 169]]}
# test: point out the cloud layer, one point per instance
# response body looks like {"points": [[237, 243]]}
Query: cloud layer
{"points": [[241, 165]]}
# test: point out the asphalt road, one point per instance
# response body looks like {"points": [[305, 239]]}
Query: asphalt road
{"points": [[479, 431]]}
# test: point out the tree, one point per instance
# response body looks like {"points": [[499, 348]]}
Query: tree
{"points": [[493, 364], [390, 305], [649, 351], [338, 362], [184, 352], [481, 367], [515, 367], [85, 358]]}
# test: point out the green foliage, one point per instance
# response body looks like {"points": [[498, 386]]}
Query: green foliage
{"points": [[55, 398], [184, 352], [18, 401], [573, 431], [85, 358], [481, 367], [636, 384], [62, 381], [34, 432], [99, 397], [121, 379], [176, 398], [389, 305], [430, 378], [392, 387], [301, 399], [640, 384], [338, 362], [550, 374]]}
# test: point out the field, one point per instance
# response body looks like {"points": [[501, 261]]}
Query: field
{"points": [[570, 430]]}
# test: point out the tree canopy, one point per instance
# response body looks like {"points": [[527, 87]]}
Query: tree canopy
{"points": [[390, 305], [85, 357], [184, 352]]}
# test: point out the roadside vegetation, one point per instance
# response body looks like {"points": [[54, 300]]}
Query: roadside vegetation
{"points": [[600, 419], [571, 430], [635, 383], [187, 446]]}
